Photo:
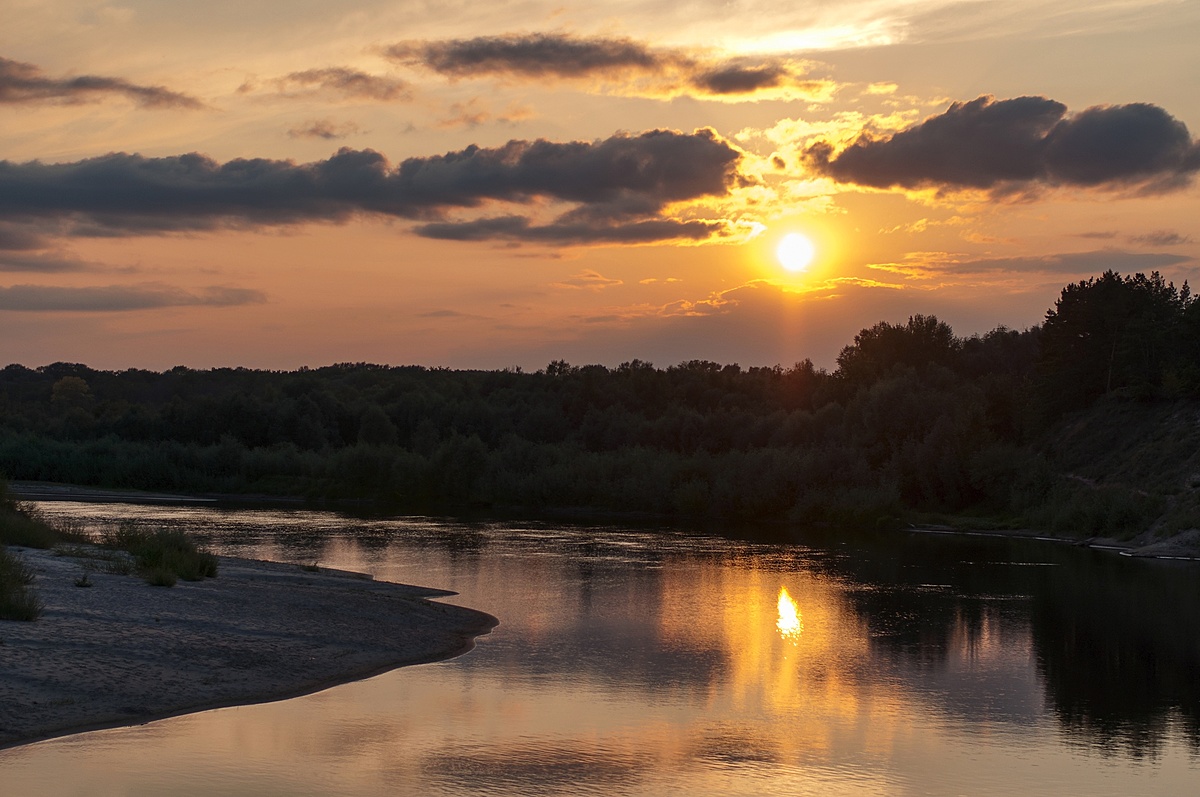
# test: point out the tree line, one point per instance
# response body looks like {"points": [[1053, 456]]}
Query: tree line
{"points": [[913, 419]]}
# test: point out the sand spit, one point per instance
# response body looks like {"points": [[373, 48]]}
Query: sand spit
{"points": [[121, 652]]}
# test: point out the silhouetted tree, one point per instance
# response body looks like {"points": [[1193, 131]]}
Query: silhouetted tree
{"points": [[877, 350], [1109, 333]]}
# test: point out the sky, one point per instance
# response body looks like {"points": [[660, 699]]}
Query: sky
{"points": [[503, 184]]}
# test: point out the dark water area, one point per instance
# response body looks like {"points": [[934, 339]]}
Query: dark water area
{"points": [[658, 661]]}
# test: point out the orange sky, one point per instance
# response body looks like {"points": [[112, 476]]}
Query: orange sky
{"points": [[502, 184]]}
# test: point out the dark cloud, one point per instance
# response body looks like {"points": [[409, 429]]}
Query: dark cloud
{"points": [[534, 55], [115, 298], [1161, 238], [735, 79], [640, 68], [324, 128], [42, 262], [1019, 144], [620, 186], [519, 228], [345, 82], [14, 238], [25, 83]]}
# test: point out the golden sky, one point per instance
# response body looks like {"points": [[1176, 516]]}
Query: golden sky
{"points": [[497, 184]]}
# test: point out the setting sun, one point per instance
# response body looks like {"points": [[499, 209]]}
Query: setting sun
{"points": [[795, 252]]}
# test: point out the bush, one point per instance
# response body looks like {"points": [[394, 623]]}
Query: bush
{"points": [[24, 529], [163, 555], [17, 600]]}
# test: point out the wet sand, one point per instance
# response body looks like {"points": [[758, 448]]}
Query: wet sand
{"points": [[121, 652]]}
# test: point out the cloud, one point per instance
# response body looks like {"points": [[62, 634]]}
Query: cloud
{"points": [[43, 262], [1161, 238], [620, 186], [343, 82], [24, 83], [1019, 145], [473, 113], [927, 265], [519, 228], [116, 298], [589, 279], [536, 55], [14, 238], [624, 65], [327, 129], [444, 314]]}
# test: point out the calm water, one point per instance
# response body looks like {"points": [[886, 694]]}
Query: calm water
{"points": [[665, 663]]}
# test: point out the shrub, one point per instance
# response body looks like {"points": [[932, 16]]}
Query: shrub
{"points": [[163, 555], [18, 527], [17, 600]]}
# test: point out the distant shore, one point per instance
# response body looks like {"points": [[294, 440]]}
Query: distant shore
{"points": [[121, 652], [1182, 546], [54, 491]]}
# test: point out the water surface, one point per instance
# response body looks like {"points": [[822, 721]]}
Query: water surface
{"points": [[662, 662]]}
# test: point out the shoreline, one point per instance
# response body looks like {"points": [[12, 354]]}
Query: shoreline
{"points": [[1182, 547], [123, 653]]}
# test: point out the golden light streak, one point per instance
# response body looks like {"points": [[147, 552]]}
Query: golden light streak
{"points": [[790, 623]]}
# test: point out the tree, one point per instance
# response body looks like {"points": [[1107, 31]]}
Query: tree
{"points": [[877, 350], [1109, 333]]}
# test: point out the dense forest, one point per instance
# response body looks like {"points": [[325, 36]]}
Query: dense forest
{"points": [[1044, 427]]}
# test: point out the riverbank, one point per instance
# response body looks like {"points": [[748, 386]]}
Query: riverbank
{"points": [[1184, 545], [121, 652]]}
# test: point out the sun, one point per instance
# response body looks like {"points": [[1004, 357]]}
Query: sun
{"points": [[795, 252]]}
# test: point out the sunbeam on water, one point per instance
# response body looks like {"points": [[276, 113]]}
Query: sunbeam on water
{"points": [[790, 622]]}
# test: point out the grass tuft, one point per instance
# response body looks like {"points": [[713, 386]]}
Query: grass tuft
{"points": [[159, 577], [163, 556]]}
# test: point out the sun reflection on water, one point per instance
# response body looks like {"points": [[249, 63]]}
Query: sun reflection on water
{"points": [[790, 622]]}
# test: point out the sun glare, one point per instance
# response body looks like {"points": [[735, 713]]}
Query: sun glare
{"points": [[790, 624], [795, 252]]}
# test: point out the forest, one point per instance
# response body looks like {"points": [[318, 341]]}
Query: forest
{"points": [[1084, 424]]}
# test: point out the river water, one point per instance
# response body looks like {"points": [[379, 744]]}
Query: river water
{"points": [[660, 662]]}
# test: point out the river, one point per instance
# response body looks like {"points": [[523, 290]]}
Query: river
{"points": [[663, 662]]}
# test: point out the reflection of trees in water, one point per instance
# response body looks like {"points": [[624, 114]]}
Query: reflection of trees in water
{"points": [[917, 593], [1118, 644], [1117, 641]]}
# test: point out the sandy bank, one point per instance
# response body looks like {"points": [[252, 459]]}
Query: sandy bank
{"points": [[122, 652]]}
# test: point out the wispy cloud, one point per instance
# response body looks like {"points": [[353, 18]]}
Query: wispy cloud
{"points": [[1161, 238], [1020, 145], [930, 265], [617, 65], [339, 82], [327, 129], [41, 262], [588, 279], [22, 83], [116, 298], [474, 112]]}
